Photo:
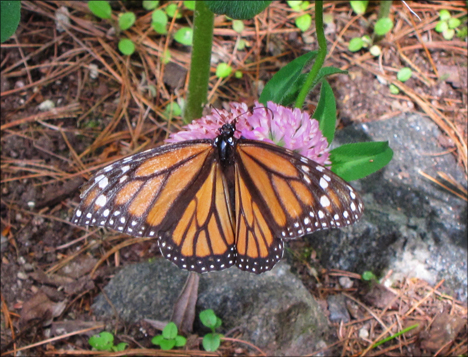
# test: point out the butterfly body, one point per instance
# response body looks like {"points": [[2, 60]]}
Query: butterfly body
{"points": [[217, 203]]}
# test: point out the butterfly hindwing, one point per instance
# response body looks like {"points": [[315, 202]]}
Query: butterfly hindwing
{"points": [[258, 248], [203, 238]]}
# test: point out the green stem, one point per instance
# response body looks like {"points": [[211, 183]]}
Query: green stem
{"points": [[384, 11], [319, 61], [200, 63]]}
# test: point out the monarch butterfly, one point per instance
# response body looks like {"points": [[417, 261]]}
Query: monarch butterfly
{"points": [[214, 203]]}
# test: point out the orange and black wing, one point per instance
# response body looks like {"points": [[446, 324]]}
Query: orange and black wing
{"points": [[282, 195], [176, 193]]}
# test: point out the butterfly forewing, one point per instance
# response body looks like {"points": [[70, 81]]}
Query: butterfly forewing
{"points": [[297, 196], [136, 195]]}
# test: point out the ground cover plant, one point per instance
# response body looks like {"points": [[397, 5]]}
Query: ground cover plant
{"points": [[96, 120]]}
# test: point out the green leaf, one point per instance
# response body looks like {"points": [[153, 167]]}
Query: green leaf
{"points": [[184, 36], [404, 74], [126, 46], [326, 111], [294, 4], [211, 342], [170, 331], [120, 347], [172, 110], [454, 23], [239, 10], [284, 86], [238, 26], [355, 44], [180, 341], [171, 10], [102, 342], [303, 22], [359, 7], [190, 4], [156, 340], [366, 41], [208, 318], [218, 322], [355, 161], [238, 74], [441, 26], [368, 275], [159, 21], [126, 20], [10, 12], [448, 34], [167, 345], [150, 5], [241, 44], [383, 26], [444, 15], [100, 9], [394, 89], [166, 58], [327, 71], [223, 70], [304, 6]]}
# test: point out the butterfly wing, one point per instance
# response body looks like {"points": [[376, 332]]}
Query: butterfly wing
{"points": [[203, 238], [283, 195], [176, 193]]}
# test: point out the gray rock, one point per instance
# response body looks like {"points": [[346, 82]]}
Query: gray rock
{"points": [[274, 311], [410, 225]]}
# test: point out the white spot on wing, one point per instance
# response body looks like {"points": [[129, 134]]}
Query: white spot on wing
{"points": [[323, 184], [101, 200], [104, 182], [324, 201], [125, 169]]}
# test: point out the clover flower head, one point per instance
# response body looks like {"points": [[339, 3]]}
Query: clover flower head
{"points": [[290, 128]]}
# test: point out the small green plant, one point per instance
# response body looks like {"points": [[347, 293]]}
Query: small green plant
{"points": [[383, 26], [358, 43], [105, 342], [304, 22], [169, 338], [171, 11], [359, 7], [368, 276], [212, 340], [150, 5], [103, 10], [184, 36], [404, 74], [447, 24], [393, 90], [159, 21], [238, 25], [223, 70], [172, 110]]}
